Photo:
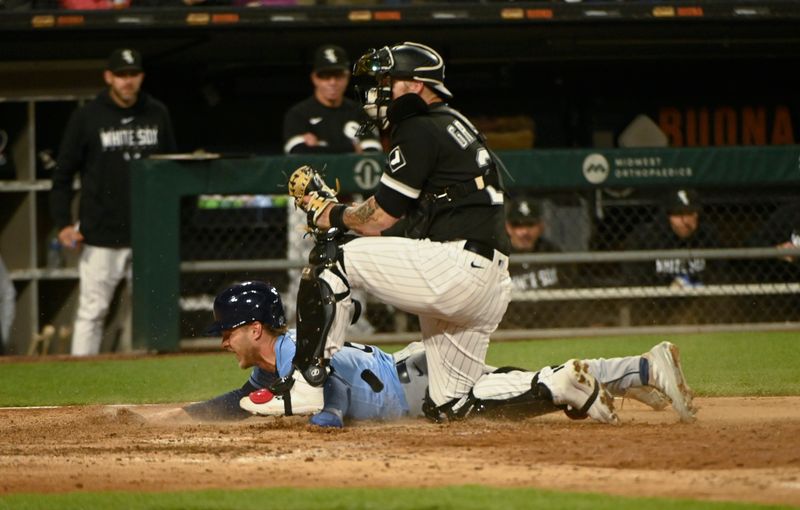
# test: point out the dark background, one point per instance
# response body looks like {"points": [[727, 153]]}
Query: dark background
{"points": [[575, 74]]}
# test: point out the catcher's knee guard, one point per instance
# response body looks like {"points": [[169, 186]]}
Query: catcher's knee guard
{"points": [[324, 310], [316, 309]]}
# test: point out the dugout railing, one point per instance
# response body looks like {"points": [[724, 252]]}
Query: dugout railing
{"points": [[182, 257]]}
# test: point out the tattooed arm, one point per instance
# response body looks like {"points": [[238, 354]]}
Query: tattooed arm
{"points": [[366, 218]]}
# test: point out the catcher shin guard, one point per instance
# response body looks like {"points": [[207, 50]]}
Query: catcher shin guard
{"points": [[576, 391], [324, 310], [316, 307], [511, 393], [507, 393]]}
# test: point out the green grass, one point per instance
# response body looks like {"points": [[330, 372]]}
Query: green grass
{"points": [[724, 364], [716, 364], [455, 498], [131, 381]]}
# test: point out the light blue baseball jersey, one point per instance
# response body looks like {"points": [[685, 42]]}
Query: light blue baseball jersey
{"points": [[349, 363], [284, 353], [365, 404]]}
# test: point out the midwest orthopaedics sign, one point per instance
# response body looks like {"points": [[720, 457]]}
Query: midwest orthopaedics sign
{"points": [[597, 169], [648, 168]]}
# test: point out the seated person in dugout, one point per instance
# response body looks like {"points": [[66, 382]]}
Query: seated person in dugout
{"points": [[368, 383], [678, 225], [526, 228]]}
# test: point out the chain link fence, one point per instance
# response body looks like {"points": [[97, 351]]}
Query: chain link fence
{"points": [[614, 261], [227, 229]]}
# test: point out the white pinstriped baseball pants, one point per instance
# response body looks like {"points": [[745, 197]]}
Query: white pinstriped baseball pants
{"points": [[458, 295]]}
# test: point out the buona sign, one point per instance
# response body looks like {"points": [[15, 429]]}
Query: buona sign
{"points": [[727, 125]]}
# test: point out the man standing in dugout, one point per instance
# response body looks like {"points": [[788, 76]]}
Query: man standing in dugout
{"points": [[327, 122], [120, 125], [434, 240]]}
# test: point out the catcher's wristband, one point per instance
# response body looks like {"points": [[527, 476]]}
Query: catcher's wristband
{"points": [[336, 217]]}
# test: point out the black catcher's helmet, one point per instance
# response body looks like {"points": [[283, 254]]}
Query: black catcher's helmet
{"points": [[247, 302], [407, 60]]}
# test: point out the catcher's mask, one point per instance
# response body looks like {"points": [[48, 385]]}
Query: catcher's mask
{"points": [[408, 61], [247, 302]]}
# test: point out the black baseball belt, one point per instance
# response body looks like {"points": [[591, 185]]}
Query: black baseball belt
{"points": [[482, 249]]}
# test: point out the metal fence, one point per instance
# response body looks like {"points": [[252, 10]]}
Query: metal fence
{"points": [[595, 281]]}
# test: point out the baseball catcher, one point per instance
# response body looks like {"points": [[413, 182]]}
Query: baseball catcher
{"points": [[432, 237]]}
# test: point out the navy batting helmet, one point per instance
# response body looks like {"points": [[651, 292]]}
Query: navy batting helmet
{"points": [[407, 60], [247, 302]]}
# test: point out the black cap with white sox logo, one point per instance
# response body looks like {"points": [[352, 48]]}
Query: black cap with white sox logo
{"points": [[125, 59]]}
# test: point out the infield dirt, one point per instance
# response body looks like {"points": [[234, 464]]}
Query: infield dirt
{"points": [[740, 449]]}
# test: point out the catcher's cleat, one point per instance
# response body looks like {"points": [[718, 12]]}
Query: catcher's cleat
{"points": [[648, 396], [327, 419], [571, 385], [666, 375]]}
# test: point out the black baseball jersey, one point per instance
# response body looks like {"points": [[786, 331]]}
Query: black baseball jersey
{"points": [[100, 141], [658, 235], [528, 276], [434, 148], [335, 128]]}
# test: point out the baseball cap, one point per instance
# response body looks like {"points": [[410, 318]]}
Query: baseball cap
{"points": [[125, 59], [330, 57], [682, 201], [524, 210]]}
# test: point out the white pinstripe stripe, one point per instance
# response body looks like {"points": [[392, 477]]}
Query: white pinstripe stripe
{"points": [[503, 386], [459, 305]]}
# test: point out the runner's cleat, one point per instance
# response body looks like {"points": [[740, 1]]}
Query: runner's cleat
{"points": [[666, 375], [648, 396]]}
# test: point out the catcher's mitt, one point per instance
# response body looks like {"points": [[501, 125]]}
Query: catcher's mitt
{"points": [[307, 181]]}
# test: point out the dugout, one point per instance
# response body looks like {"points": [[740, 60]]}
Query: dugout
{"points": [[159, 186]]}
